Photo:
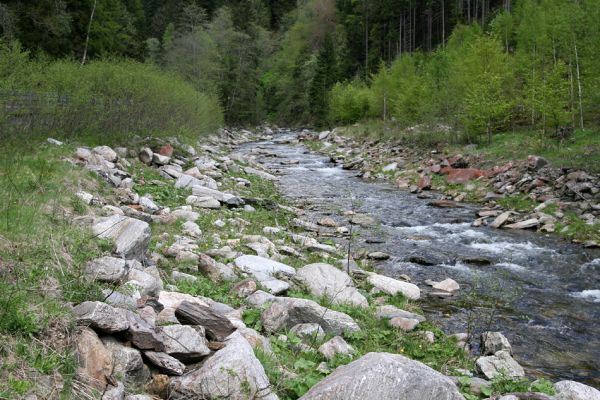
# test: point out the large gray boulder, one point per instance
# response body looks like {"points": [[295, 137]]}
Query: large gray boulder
{"points": [[570, 390], [266, 271], [324, 280], [500, 362], [94, 360], [494, 342], [127, 362], [184, 342], [101, 316], [217, 325], [232, 373], [130, 236], [384, 376], [393, 287], [106, 269], [286, 312]]}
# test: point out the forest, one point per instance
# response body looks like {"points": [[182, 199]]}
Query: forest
{"points": [[477, 66]]}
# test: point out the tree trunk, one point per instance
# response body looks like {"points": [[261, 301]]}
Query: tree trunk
{"points": [[579, 89], [572, 93], [87, 38], [366, 40], [443, 24]]}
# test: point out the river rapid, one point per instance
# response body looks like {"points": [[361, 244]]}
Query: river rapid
{"points": [[547, 290]]}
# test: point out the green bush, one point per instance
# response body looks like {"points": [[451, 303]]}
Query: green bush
{"points": [[103, 99], [348, 103]]}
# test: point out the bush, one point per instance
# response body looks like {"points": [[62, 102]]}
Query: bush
{"points": [[348, 103], [104, 99]]}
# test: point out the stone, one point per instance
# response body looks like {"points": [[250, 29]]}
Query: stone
{"points": [[536, 162], [447, 285], [101, 316], [324, 280], [256, 340], [393, 287], [390, 167], [259, 298], [127, 362], [444, 204], [105, 152], [130, 236], [147, 282], [146, 155], [148, 205], [203, 202], [114, 392], [424, 182], [106, 269], [159, 386], [94, 360], [186, 214], [405, 324], [570, 390], [501, 361], [169, 301], [232, 373], [378, 255], [260, 174], [388, 311], [54, 142], [384, 376], [328, 222], [286, 312], [142, 334], [159, 159], [310, 331], [527, 224], [263, 269], [337, 345], [178, 276], [275, 286], [86, 197], [214, 270], [165, 363], [166, 150], [364, 220], [217, 325], [501, 219], [493, 342], [244, 288], [184, 342]]}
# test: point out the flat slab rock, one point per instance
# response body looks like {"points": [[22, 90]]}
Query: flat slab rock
{"points": [[570, 390], [130, 236], [217, 325], [384, 376], [286, 312], [324, 280], [501, 361], [232, 373], [393, 286], [101, 316], [263, 268]]}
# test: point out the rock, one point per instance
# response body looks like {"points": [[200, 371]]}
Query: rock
{"points": [[444, 204], [328, 222], [493, 342], [491, 366], [168, 303], [310, 331], [244, 288], [192, 229], [131, 236], [214, 270], [94, 360], [286, 312], [324, 280], [186, 214], [165, 363], [184, 342], [263, 269], [166, 150], [54, 142], [570, 390], [275, 286], [536, 162], [101, 316], [145, 280], [159, 386], [447, 285], [424, 182], [105, 152], [182, 277], [501, 219], [203, 202], [378, 255], [233, 373], [259, 298], [217, 326], [127, 362], [114, 392], [363, 220], [160, 159], [142, 334], [86, 197], [337, 345], [463, 175], [260, 174], [406, 324], [139, 397], [106, 269], [393, 286], [530, 223], [390, 167], [145, 155], [384, 376], [388, 312]]}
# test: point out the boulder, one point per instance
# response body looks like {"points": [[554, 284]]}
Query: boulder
{"points": [[94, 360], [244, 288], [101, 316], [570, 390], [131, 236], [217, 325], [324, 280], [493, 342], [501, 219], [232, 373], [106, 269], [127, 362], [405, 324], [203, 202], [527, 224], [216, 271], [169, 301], [114, 392], [393, 287], [501, 361], [260, 174], [143, 334], [192, 229], [145, 155], [384, 376], [165, 363], [266, 272], [388, 311], [159, 159], [145, 280], [184, 342], [286, 312], [105, 152], [447, 285], [309, 332], [259, 298], [337, 345]]}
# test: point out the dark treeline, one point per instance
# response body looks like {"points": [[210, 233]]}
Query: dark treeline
{"points": [[338, 61]]}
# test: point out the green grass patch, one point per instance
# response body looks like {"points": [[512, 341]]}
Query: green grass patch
{"points": [[517, 203]]}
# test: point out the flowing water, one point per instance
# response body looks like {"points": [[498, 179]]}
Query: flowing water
{"points": [[552, 287]]}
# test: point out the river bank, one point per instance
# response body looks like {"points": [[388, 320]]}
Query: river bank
{"points": [[209, 283]]}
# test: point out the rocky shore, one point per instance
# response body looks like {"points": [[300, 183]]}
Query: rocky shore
{"points": [[215, 288], [520, 194]]}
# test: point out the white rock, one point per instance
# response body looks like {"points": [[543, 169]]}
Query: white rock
{"points": [[336, 345], [501, 361], [393, 286], [131, 236], [86, 197], [447, 285], [324, 280], [570, 390]]}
